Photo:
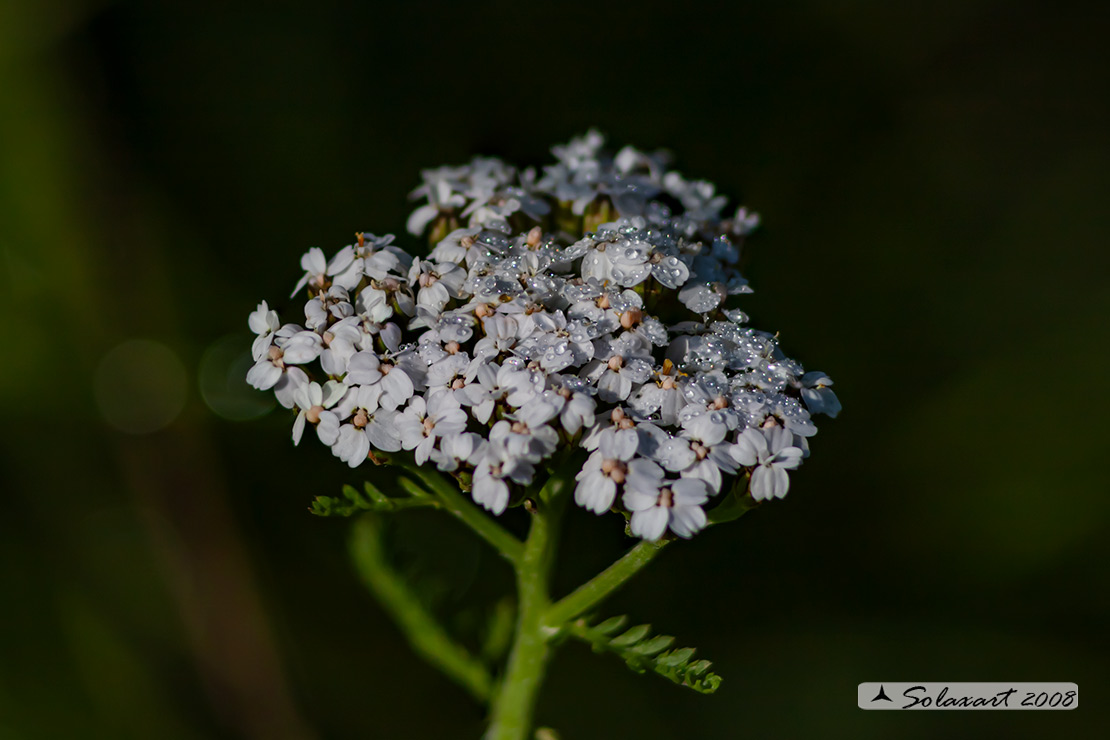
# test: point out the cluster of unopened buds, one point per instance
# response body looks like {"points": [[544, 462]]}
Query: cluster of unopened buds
{"points": [[585, 308]]}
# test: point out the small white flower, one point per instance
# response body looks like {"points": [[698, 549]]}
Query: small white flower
{"points": [[817, 394], [313, 402], [526, 434], [422, 423], [502, 333], [489, 487], [340, 343], [456, 246], [677, 505], [263, 322], [318, 270], [772, 453], [437, 283], [326, 307], [616, 375], [664, 396], [604, 471], [291, 380], [439, 188], [366, 425], [457, 450], [391, 382], [579, 410], [303, 347]]}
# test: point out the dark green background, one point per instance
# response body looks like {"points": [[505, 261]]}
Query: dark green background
{"points": [[933, 181]]}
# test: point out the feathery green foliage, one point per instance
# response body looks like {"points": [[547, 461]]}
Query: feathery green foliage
{"points": [[355, 502], [643, 652]]}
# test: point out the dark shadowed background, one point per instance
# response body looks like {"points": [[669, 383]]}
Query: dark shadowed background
{"points": [[933, 184]]}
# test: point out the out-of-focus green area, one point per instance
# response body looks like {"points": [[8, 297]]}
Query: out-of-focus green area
{"points": [[933, 183]]}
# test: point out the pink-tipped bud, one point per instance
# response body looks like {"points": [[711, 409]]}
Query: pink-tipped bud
{"points": [[631, 317], [615, 469], [666, 497]]}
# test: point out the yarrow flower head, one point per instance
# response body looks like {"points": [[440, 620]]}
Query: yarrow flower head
{"points": [[587, 309]]}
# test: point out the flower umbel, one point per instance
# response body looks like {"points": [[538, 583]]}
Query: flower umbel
{"points": [[589, 306]]}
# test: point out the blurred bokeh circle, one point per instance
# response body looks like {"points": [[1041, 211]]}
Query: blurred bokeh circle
{"points": [[222, 379], [140, 386]]}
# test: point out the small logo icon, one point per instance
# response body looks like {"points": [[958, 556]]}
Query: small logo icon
{"points": [[882, 694]]}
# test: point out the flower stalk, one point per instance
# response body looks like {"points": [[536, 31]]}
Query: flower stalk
{"points": [[458, 506], [424, 634], [513, 707], [597, 589]]}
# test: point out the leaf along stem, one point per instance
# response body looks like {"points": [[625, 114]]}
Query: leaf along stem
{"points": [[427, 638]]}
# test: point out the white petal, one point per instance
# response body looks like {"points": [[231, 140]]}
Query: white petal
{"points": [[780, 482], [596, 492], [637, 500], [298, 428], [762, 484], [264, 375], [644, 475], [650, 523], [363, 368], [314, 261], [686, 521], [491, 493], [398, 385], [383, 435], [689, 491], [423, 450], [750, 446], [328, 428], [420, 219]]}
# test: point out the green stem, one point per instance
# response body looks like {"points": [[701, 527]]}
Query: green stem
{"points": [[459, 506], [514, 705], [598, 588], [423, 632]]}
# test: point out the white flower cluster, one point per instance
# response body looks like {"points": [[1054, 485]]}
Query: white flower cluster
{"points": [[585, 307]]}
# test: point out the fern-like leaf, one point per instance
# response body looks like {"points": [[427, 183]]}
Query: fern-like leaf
{"points": [[354, 502], [643, 652]]}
